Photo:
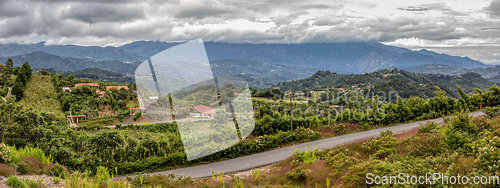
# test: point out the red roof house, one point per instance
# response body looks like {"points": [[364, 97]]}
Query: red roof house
{"points": [[205, 110]]}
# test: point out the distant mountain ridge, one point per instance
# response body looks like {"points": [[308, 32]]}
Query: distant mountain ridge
{"points": [[39, 59], [490, 73], [337, 57], [405, 83], [345, 58]]}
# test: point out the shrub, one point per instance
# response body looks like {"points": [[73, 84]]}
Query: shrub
{"points": [[29, 152], [14, 181], [4, 154], [6, 170], [426, 144], [381, 147], [356, 176], [55, 170], [341, 161], [340, 128], [30, 165], [137, 115], [385, 133], [305, 134], [298, 175], [428, 127], [492, 111], [382, 153], [489, 156], [33, 184], [306, 157]]}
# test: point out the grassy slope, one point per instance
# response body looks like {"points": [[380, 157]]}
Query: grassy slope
{"points": [[40, 94]]}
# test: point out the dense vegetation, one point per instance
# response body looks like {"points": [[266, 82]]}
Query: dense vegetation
{"points": [[462, 146], [96, 74], [406, 84], [40, 60], [489, 73]]}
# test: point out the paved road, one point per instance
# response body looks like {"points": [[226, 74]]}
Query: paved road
{"points": [[269, 157]]}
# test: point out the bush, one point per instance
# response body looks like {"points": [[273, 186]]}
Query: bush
{"points": [[4, 154], [429, 127], [29, 152], [14, 181], [137, 115], [6, 170], [492, 111], [426, 144], [341, 161], [30, 165], [298, 175], [306, 157], [340, 128], [55, 170], [305, 134]]}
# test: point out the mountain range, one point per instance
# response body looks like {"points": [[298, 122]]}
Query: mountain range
{"points": [[265, 64]]}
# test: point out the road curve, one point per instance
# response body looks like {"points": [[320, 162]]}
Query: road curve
{"points": [[269, 157]]}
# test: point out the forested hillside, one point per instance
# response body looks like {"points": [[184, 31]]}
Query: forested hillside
{"points": [[96, 74], [490, 73], [406, 84]]}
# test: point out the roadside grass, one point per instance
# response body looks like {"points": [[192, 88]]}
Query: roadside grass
{"points": [[351, 128], [40, 94]]}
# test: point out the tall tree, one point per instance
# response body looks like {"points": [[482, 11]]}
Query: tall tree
{"points": [[26, 70], [464, 96], [18, 89], [7, 71]]}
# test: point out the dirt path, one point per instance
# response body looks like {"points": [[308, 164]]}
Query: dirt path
{"points": [[8, 95]]}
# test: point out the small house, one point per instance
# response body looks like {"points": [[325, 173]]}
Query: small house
{"points": [[205, 110], [66, 89], [101, 94]]}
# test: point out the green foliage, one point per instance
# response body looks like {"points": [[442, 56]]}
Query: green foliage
{"points": [[382, 147], [137, 115], [298, 175], [56, 179], [459, 131], [255, 173], [428, 127], [306, 157], [427, 144], [492, 111], [18, 90], [30, 165], [56, 170], [33, 152], [340, 159], [340, 128], [14, 181]]}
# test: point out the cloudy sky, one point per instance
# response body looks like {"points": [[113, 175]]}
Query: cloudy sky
{"points": [[458, 27]]}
